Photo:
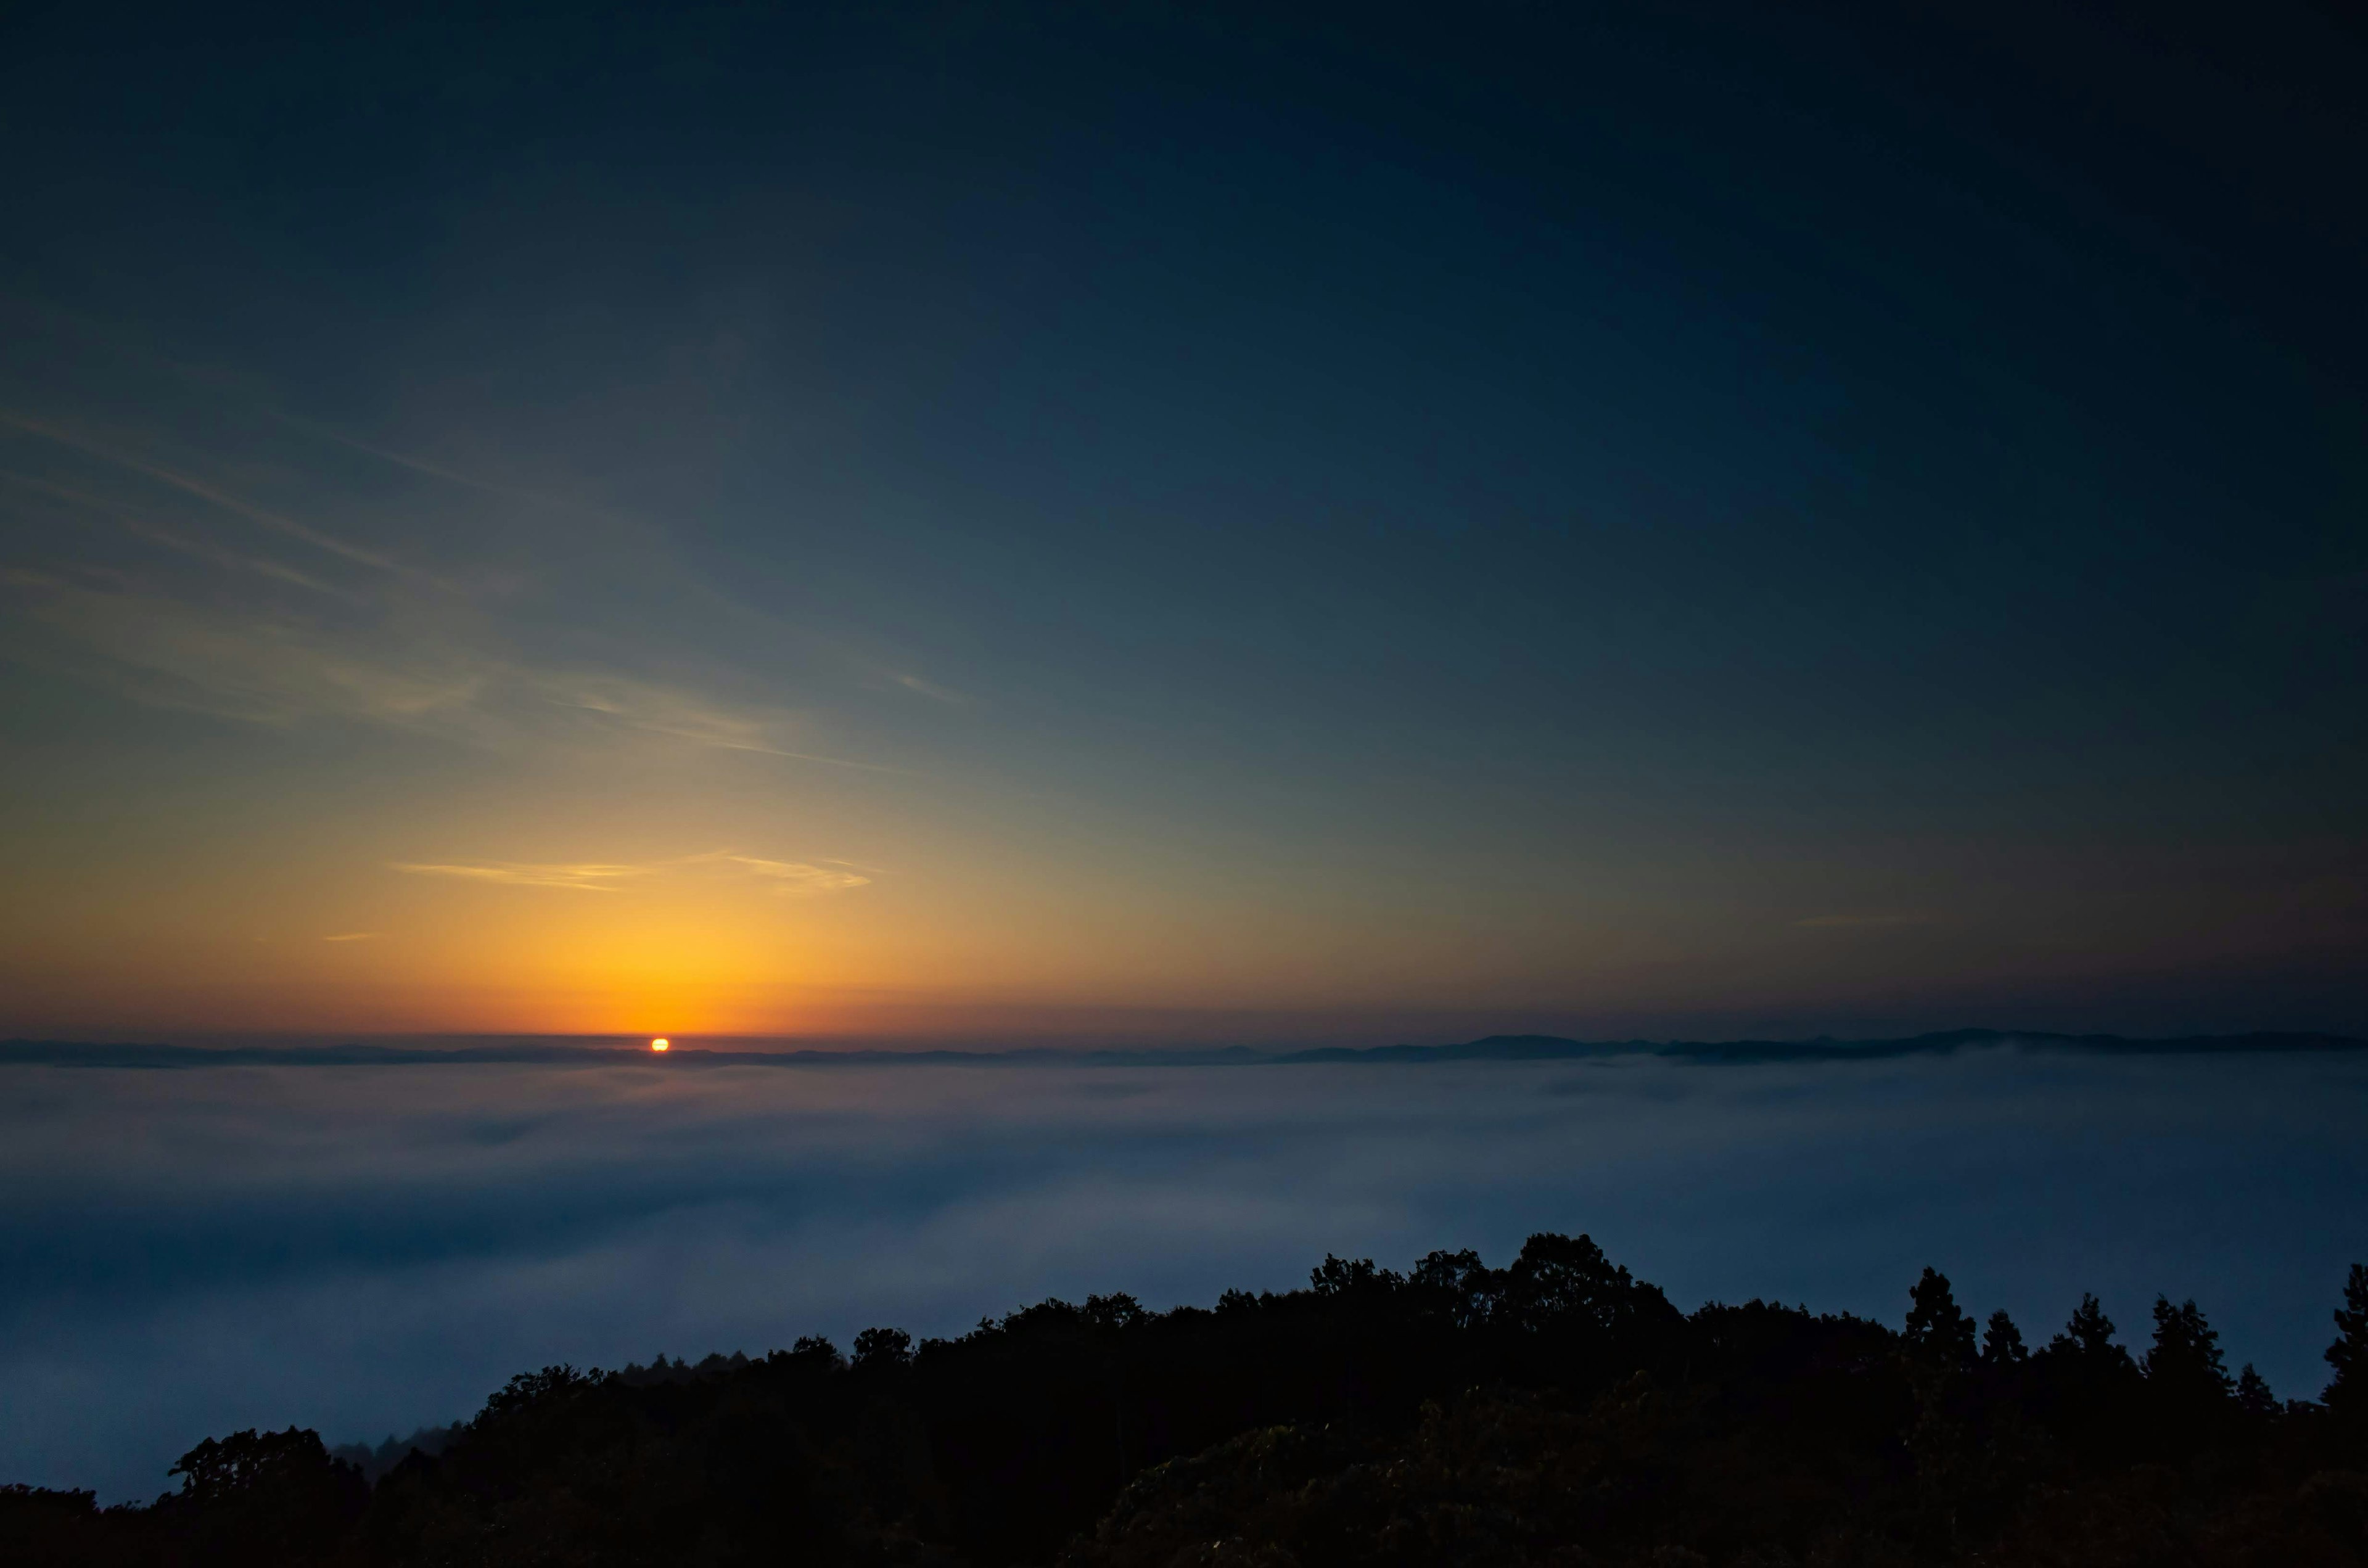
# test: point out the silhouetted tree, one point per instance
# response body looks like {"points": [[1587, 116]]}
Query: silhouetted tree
{"points": [[1341, 1276], [1939, 1334], [44, 1529], [878, 1348], [1564, 1282], [257, 1498], [1458, 1285], [2087, 1387], [1117, 1310], [816, 1347], [2185, 1359], [1936, 1345], [2347, 1393], [1555, 1411], [2253, 1395], [2188, 1396], [2089, 1334], [2002, 1342]]}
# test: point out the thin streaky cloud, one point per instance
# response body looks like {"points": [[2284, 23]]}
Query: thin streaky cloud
{"points": [[354, 937], [267, 668], [223, 499], [577, 877], [796, 877], [262, 566], [792, 878], [271, 667], [663, 710], [931, 690], [825, 761], [255, 695], [433, 471]]}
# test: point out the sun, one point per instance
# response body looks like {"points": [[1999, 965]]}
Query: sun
{"points": [[657, 1045]]}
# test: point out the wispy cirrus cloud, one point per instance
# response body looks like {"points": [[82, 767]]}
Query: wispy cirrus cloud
{"points": [[794, 878], [265, 665], [580, 878], [354, 632], [354, 937], [786, 878], [283, 665], [928, 688], [115, 454], [198, 549], [662, 711]]}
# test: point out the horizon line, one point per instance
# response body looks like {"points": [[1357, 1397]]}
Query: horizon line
{"points": [[578, 1050]]}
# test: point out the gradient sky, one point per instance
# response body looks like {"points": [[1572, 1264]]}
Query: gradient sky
{"points": [[1132, 523]]}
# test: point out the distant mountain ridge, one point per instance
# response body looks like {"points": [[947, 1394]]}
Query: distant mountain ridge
{"points": [[1492, 1047]]}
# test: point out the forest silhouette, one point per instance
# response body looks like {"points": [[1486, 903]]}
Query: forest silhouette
{"points": [[1554, 1411]]}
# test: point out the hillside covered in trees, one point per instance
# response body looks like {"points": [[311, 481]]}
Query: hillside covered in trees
{"points": [[1552, 1410]]}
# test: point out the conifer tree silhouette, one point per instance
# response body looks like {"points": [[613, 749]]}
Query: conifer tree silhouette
{"points": [[1938, 1332], [2002, 1342], [2089, 1335], [2347, 1393], [2186, 1359], [2253, 1395]]}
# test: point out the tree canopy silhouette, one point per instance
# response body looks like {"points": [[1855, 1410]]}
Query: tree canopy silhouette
{"points": [[1555, 1410]]}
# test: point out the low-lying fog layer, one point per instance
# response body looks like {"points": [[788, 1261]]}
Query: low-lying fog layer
{"points": [[370, 1249]]}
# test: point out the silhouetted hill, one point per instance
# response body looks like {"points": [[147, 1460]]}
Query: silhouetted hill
{"points": [[1554, 1411]]}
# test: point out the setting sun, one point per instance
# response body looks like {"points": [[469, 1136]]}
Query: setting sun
{"points": [[657, 1045]]}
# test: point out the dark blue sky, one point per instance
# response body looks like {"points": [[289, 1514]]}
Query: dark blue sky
{"points": [[1326, 524]]}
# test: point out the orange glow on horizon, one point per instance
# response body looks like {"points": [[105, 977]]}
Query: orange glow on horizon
{"points": [[657, 1045]]}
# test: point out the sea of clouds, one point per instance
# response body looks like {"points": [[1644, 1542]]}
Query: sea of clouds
{"points": [[369, 1249]]}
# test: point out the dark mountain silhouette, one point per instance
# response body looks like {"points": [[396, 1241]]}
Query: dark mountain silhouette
{"points": [[1552, 1410]]}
